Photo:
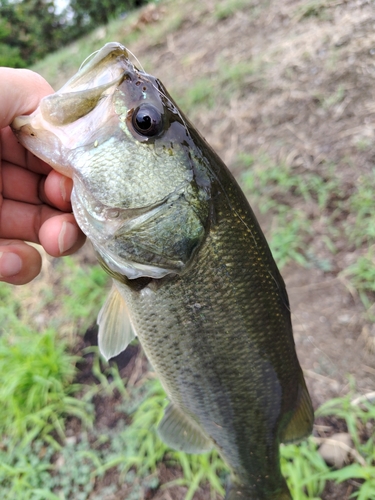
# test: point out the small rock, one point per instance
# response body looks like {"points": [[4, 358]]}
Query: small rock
{"points": [[335, 450]]}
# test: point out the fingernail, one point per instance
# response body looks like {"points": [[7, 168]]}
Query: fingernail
{"points": [[63, 188], [10, 264], [67, 237]]}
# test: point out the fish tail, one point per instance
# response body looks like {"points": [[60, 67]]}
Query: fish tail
{"points": [[243, 492]]}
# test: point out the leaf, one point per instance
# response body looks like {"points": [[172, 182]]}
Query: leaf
{"points": [[352, 471]]}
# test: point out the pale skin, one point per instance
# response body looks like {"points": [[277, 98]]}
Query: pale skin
{"points": [[34, 199]]}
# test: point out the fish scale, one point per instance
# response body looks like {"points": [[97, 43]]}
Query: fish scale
{"points": [[192, 273]]}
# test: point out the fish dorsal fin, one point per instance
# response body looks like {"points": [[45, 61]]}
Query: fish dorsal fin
{"points": [[115, 329], [182, 433], [300, 425]]}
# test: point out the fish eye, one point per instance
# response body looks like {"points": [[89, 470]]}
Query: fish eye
{"points": [[147, 120]]}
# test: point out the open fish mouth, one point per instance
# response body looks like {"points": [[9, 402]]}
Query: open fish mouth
{"points": [[48, 131]]}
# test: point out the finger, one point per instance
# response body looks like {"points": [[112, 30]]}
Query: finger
{"points": [[19, 184], [19, 262], [60, 235], [20, 93], [23, 89], [22, 221], [13, 152], [57, 190], [40, 224]]}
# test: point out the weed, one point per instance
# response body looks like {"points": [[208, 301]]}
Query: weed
{"points": [[362, 205], [313, 8], [73, 471], [276, 189], [36, 389], [226, 80], [234, 78], [265, 179], [223, 10], [361, 276], [25, 471], [199, 93], [356, 416], [200, 469], [138, 446], [366, 489], [287, 236], [85, 292], [363, 143], [143, 449], [158, 32], [332, 99], [304, 470], [359, 417]]}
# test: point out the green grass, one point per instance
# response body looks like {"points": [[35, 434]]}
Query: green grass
{"points": [[313, 8], [25, 471], [137, 446], [84, 291], [36, 390], [362, 206], [219, 85], [278, 190], [304, 469], [360, 277], [359, 417], [360, 232], [226, 9]]}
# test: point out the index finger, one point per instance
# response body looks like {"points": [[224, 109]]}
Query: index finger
{"points": [[20, 93], [13, 152]]}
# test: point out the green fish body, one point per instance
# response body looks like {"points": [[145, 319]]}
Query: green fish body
{"points": [[193, 275]]}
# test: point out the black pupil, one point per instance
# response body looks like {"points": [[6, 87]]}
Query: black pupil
{"points": [[147, 120], [143, 120]]}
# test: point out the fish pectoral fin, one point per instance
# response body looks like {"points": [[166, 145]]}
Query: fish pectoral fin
{"points": [[301, 423], [115, 329], [182, 433]]}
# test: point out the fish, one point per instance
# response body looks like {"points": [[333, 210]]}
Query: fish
{"points": [[193, 275]]}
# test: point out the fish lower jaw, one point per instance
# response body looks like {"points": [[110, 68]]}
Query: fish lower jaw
{"points": [[34, 134]]}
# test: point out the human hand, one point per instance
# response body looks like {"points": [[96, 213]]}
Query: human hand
{"points": [[34, 199]]}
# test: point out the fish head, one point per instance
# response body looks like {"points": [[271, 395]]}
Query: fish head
{"points": [[116, 132]]}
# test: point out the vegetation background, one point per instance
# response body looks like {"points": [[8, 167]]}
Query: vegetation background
{"points": [[284, 91]]}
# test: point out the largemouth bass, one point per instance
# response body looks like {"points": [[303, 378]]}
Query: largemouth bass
{"points": [[192, 273]]}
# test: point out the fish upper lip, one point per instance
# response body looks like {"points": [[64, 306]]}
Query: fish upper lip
{"points": [[86, 79], [80, 79]]}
